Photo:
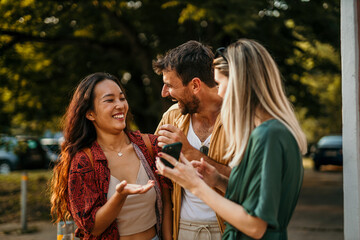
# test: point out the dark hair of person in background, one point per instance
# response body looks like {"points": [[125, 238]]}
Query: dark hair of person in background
{"points": [[191, 59]]}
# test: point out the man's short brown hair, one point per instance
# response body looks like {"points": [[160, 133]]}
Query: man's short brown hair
{"points": [[189, 60]]}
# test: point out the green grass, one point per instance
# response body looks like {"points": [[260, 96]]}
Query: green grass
{"points": [[38, 204]]}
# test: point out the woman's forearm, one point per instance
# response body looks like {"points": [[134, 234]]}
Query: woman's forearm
{"points": [[231, 212], [108, 213]]}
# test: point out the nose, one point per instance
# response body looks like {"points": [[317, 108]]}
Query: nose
{"points": [[120, 104], [165, 91]]}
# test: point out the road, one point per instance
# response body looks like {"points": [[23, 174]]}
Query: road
{"points": [[318, 215]]}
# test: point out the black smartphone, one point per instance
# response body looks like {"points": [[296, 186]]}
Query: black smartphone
{"points": [[173, 150]]}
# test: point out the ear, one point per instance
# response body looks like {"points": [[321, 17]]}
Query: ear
{"points": [[90, 115], [196, 85]]}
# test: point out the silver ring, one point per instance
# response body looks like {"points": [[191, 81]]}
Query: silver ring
{"points": [[176, 164]]}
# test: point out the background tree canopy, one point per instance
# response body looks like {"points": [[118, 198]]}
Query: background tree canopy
{"points": [[46, 47]]}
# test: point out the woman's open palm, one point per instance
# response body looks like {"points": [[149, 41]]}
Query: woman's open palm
{"points": [[130, 189]]}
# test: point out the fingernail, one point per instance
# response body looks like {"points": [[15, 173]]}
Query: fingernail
{"points": [[160, 154]]}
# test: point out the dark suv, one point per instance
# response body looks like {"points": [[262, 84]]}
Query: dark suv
{"points": [[328, 151], [21, 152]]}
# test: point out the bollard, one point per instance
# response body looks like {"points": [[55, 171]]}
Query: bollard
{"points": [[24, 181], [65, 231]]}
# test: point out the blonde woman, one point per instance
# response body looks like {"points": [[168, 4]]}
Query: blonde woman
{"points": [[265, 143]]}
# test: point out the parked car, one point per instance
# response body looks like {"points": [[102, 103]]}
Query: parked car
{"points": [[328, 151], [52, 147], [21, 152]]}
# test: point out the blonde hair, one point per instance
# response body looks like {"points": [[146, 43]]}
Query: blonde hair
{"points": [[254, 83], [221, 65]]}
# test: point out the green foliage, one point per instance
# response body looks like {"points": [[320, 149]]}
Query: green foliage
{"points": [[46, 47]]}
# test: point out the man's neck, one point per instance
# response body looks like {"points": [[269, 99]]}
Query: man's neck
{"points": [[209, 108], [203, 122]]}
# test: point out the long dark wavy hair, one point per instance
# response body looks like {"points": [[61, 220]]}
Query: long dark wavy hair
{"points": [[79, 133]]}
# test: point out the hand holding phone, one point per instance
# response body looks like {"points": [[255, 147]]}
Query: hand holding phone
{"points": [[173, 150]]}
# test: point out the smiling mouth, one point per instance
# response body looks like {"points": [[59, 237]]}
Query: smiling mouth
{"points": [[119, 116], [172, 99]]}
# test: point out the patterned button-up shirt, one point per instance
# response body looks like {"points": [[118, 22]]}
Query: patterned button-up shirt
{"points": [[89, 182]]}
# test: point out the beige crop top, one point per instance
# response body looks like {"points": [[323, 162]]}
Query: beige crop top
{"points": [[138, 211]]}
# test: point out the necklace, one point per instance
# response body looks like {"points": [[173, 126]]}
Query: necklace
{"points": [[119, 153]]}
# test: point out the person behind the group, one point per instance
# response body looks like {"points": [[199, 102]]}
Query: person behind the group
{"points": [[105, 178], [195, 121], [266, 143]]}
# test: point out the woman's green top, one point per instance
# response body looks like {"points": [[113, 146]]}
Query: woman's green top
{"points": [[267, 182]]}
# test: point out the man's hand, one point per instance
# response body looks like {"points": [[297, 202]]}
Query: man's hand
{"points": [[170, 134]]}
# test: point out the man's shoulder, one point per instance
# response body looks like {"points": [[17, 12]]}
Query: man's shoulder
{"points": [[172, 113], [174, 109], [174, 117]]}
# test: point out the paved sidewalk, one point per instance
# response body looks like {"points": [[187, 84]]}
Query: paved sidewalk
{"points": [[42, 231], [319, 214]]}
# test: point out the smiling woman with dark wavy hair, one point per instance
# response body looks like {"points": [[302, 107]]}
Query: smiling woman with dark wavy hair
{"points": [[105, 178]]}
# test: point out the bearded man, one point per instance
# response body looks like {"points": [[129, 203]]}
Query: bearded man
{"points": [[194, 120]]}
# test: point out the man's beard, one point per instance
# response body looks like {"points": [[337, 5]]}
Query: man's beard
{"points": [[190, 107]]}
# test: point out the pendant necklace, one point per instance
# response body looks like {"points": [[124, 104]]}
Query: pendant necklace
{"points": [[119, 153]]}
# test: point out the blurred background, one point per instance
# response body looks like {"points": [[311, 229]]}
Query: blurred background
{"points": [[47, 47]]}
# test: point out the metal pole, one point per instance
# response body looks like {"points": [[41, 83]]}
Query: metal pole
{"points": [[24, 181]]}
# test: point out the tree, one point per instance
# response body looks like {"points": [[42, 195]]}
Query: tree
{"points": [[46, 47]]}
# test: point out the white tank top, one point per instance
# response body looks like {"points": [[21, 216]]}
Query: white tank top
{"points": [[138, 211], [193, 208]]}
